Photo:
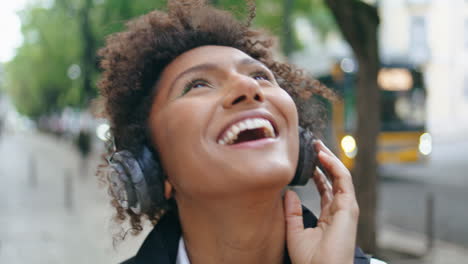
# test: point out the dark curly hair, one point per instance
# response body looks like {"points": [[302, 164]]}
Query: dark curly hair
{"points": [[133, 60]]}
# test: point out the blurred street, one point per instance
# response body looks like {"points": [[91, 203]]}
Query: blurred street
{"points": [[405, 190], [50, 214], [53, 214]]}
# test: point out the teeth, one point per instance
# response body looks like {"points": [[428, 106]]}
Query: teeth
{"points": [[242, 126], [231, 135], [252, 123], [270, 131], [235, 129]]}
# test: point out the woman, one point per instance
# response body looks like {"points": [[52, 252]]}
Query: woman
{"points": [[206, 140]]}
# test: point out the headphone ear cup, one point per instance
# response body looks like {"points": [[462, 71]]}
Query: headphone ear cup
{"points": [[120, 186], [154, 177], [128, 182], [125, 171], [308, 158]]}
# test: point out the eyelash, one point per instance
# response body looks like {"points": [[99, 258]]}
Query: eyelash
{"points": [[261, 74], [194, 83], [191, 85]]}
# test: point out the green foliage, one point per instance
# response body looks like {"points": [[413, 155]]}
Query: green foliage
{"points": [[318, 14], [38, 79], [37, 76], [111, 15]]}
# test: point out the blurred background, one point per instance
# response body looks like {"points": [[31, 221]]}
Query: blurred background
{"points": [[401, 67]]}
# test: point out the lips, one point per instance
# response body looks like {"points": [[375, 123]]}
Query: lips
{"points": [[247, 129]]}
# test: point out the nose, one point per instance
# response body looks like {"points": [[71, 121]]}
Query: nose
{"points": [[243, 90]]}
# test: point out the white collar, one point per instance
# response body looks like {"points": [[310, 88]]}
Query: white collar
{"points": [[182, 257]]}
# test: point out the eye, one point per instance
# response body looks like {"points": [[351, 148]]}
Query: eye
{"points": [[260, 76], [194, 84]]}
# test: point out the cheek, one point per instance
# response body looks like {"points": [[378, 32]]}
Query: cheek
{"points": [[178, 131], [287, 106]]}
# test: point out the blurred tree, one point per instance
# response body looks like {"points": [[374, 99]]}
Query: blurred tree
{"points": [[58, 54], [88, 57], [59, 51], [358, 22], [38, 76]]}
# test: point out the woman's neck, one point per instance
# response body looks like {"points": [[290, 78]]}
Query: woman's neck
{"points": [[247, 230]]}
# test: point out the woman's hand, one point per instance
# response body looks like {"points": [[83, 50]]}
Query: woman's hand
{"points": [[333, 240]]}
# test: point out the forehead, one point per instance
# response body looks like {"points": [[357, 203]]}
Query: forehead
{"points": [[221, 55]]}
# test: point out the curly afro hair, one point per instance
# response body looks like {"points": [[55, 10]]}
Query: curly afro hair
{"points": [[133, 60]]}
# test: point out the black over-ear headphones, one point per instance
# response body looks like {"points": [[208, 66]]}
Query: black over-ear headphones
{"points": [[137, 179]]}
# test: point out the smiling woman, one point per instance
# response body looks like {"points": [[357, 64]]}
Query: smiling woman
{"points": [[206, 138]]}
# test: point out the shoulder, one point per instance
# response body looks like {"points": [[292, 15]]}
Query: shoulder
{"points": [[161, 244]]}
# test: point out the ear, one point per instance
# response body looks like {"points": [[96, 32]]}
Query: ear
{"points": [[167, 190]]}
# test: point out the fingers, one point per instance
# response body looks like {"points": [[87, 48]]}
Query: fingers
{"points": [[324, 188], [293, 213], [341, 177], [301, 243], [320, 146]]}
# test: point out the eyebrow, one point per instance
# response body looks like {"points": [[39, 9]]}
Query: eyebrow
{"points": [[212, 66]]}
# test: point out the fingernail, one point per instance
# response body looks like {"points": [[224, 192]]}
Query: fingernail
{"points": [[323, 145], [317, 142], [323, 154]]}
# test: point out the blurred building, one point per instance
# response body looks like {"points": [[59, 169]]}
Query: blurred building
{"points": [[428, 35], [432, 35]]}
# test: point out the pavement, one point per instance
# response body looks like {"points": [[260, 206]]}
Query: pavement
{"points": [[51, 207], [407, 190], [404, 247], [52, 210]]}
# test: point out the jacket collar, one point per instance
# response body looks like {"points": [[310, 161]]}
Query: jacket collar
{"points": [[162, 243]]}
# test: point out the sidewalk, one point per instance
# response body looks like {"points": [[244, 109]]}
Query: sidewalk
{"points": [[410, 248], [52, 212]]}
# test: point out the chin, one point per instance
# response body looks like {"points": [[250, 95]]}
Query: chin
{"points": [[261, 178], [265, 175]]}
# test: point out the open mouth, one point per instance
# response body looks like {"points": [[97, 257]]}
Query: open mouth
{"points": [[247, 130]]}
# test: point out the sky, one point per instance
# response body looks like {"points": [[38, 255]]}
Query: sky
{"points": [[10, 28]]}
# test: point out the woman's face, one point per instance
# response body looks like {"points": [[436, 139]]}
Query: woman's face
{"points": [[222, 125]]}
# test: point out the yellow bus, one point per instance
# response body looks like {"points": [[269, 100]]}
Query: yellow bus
{"points": [[403, 137]]}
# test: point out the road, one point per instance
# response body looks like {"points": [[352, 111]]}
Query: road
{"points": [[404, 204], [405, 190]]}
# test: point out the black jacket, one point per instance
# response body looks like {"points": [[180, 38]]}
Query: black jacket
{"points": [[162, 243]]}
